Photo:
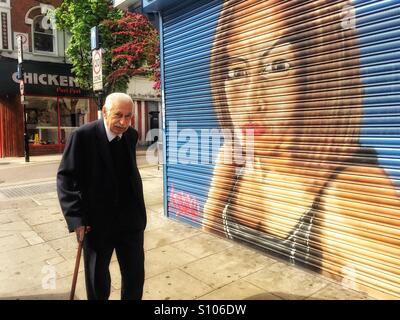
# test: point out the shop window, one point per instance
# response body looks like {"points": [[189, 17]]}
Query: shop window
{"points": [[73, 114], [43, 35], [50, 121]]}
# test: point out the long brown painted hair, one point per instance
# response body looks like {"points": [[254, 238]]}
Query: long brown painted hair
{"points": [[328, 101]]}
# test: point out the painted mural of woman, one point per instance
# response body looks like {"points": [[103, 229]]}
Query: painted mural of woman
{"points": [[290, 72]]}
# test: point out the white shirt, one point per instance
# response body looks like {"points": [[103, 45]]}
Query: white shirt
{"points": [[110, 135]]}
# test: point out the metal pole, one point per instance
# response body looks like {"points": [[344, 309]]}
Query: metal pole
{"points": [[20, 77], [26, 138], [99, 104], [100, 99]]}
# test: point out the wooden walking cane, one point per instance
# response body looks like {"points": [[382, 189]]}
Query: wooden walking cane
{"points": [[77, 263]]}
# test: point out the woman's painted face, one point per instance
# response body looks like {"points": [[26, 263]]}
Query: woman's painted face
{"points": [[259, 80]]}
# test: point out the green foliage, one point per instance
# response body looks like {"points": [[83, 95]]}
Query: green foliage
{"points": [[78, 17]]}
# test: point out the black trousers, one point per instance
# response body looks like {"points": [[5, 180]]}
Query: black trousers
{"points": [[98, 249]]}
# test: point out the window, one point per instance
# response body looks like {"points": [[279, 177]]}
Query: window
{"points": [[43, 35], [5, 23], [50, 121]]}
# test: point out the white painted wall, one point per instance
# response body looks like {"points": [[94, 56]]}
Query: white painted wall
{"points": [[141, 88]]}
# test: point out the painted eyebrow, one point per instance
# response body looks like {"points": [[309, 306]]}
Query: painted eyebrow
{"points": [[266, 53], [277, 43], [236, 58]]}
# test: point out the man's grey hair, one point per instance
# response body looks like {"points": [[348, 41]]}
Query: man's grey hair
{"points": [[117, 96]]}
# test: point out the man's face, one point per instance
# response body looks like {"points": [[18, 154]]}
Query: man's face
{"points": [[119, 118]]}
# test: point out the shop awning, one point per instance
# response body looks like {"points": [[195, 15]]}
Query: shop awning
{"points": [[41, 78]]}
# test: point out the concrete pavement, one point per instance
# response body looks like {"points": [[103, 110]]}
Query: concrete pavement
{"points": [[37, 254]]}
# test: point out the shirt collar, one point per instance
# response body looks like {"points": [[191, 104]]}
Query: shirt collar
{"points": [[110, 135]]}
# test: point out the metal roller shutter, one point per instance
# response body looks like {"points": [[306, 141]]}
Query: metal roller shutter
{"points": [[282, 126]]}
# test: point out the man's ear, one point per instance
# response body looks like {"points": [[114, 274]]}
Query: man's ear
{"points": [[104, 110]]}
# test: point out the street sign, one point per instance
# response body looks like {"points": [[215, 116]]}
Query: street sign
{"points": [[25, 42], [19, 44], [97, 62], [94, 38]]}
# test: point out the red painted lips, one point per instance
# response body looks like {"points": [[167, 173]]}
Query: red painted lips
{"points": [[254, 127]]}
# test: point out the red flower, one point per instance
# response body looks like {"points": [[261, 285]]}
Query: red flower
{"points": [[139, 43]]}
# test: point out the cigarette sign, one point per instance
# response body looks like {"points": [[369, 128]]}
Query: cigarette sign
{"points": [[97, 62]]}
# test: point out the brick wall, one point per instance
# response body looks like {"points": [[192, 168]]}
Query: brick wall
{"points": [[19, 9]]}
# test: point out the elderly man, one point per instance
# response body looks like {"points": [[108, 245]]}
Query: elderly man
{"points": [[100, 193]]}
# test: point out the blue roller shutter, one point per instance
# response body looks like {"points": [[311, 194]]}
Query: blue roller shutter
{"points": [[315, 179]]}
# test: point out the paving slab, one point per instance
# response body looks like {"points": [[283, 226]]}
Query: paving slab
{"points": [[286, 281], [42, 214], [156, 221], [36, 254], [336, 292], [11, 242], [239, 290], [15, 226], [162, 259], [174, 285], [66, 268], [157, 208], [46, 196], [17, 204], [166, 235], [227, 266], [32, 237], [52, 230], [202, 245], [65, 246], [24, 268], [57, 289], [9, 217]]}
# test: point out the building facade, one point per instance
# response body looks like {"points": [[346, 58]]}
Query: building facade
{"points": [[281, 130], [55, 104]]}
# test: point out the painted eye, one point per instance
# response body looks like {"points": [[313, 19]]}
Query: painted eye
{"points": [[236, 73], [276, 66]]}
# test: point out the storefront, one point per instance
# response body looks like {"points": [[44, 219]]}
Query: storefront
{"points": [[55, 106]]}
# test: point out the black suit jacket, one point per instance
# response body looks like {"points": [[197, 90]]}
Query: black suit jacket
{"points": [[87, 184]]}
